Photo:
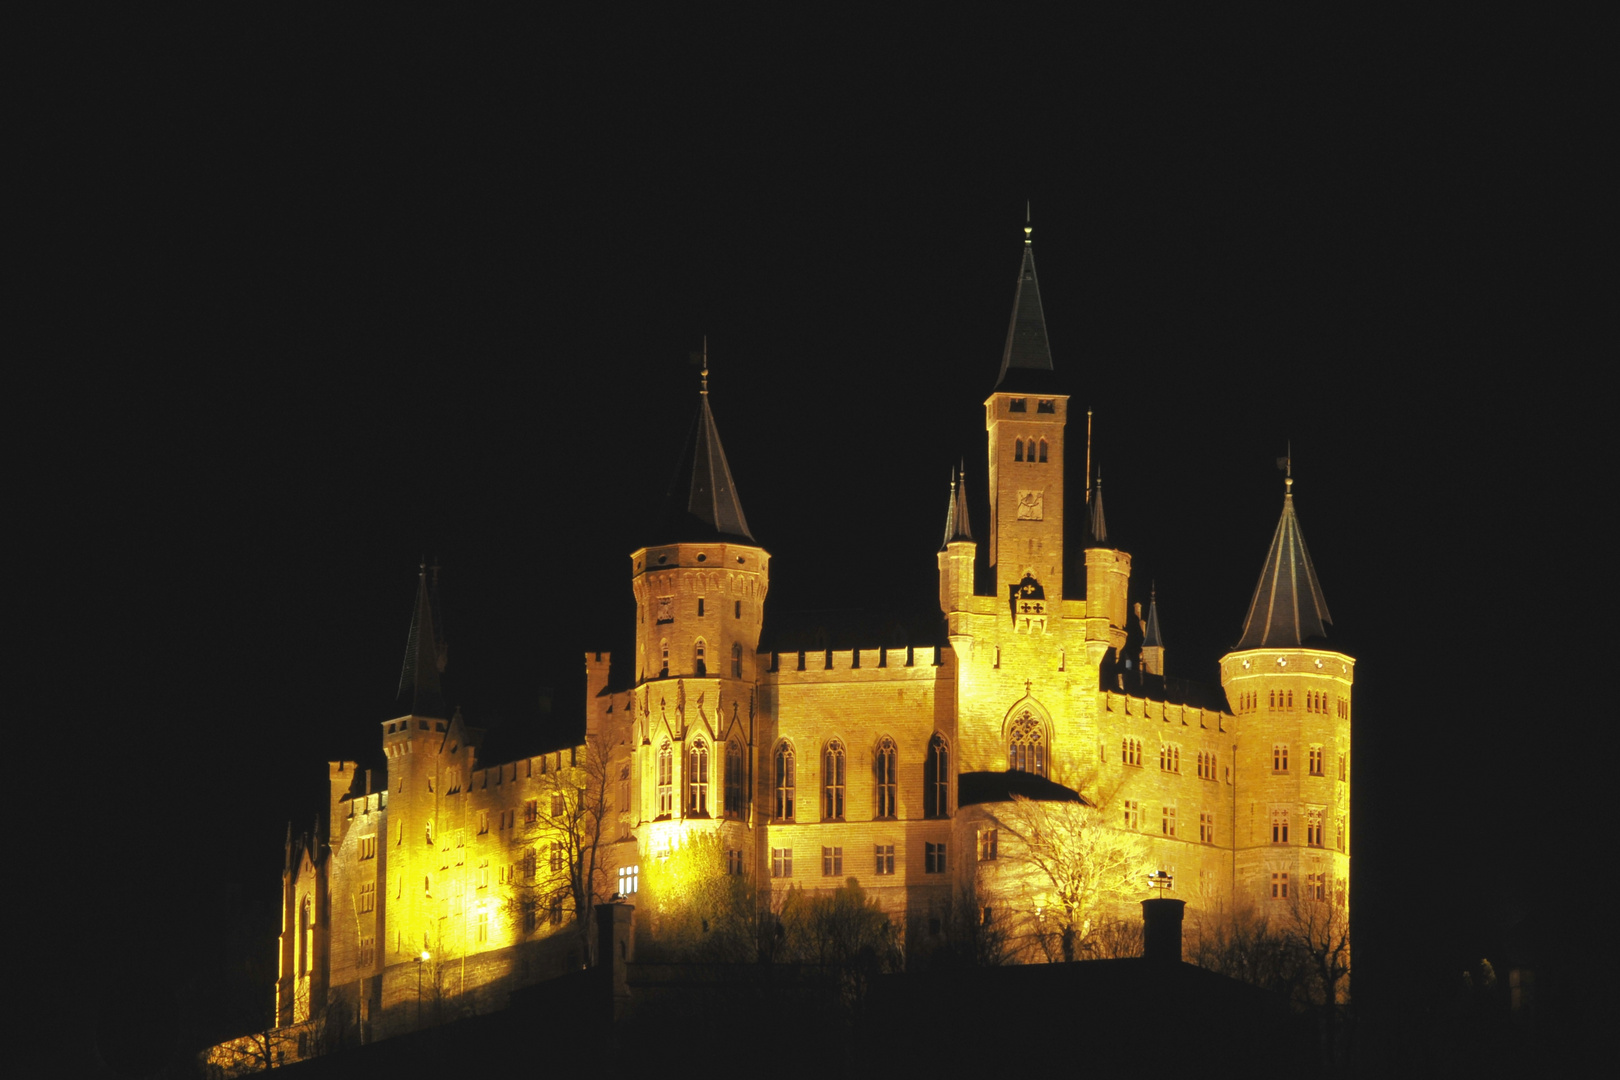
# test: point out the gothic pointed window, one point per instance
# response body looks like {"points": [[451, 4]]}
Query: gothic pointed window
{"points": [[884, 765], [666, 781], [832, 782], [784, 782], [1043, 449], [700, 667], [697, 779], [663, 661], [1026, 748], [734, 779], [736, 661], [937, 779], [1018, 449]]}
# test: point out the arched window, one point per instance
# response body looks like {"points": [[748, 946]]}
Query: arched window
{"points": [[697, 779], [1026, 749], [734, 779], [700, 667], [1018, 449], [666, 781], [784, 782], [663, 663], [736, 661], [1043, 449], [832, 783], [883, 763], [305, 937], [937, 779]]}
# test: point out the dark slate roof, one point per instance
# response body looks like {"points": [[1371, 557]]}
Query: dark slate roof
{"points": [[973, 788], [1151, 637], [1026, 362], [702, 501], [1288, 609], [421, 690], [957, 525], [1096, 522]]}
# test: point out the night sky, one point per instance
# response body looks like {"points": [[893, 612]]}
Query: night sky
{"points": [[322, 294]]}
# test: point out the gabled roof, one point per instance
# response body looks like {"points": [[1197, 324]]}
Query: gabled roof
{"points": [[1288, 609], [957, 525], [421, 692], [973, 788], [1026, 362], [702, 501]]}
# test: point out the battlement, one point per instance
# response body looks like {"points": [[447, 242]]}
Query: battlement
{"points": [[1165, 711], [528, 768], [855, 661]]}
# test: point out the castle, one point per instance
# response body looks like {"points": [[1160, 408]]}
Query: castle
{"points": [[875, 750]]}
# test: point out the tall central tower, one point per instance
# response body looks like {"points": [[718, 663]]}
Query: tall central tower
{"points": [[1025, 419]]}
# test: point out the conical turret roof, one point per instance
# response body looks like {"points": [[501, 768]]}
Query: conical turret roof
{"points": [[702, 501], [1026, 362], [421, 691], [1288, 609], [1151, 637], [957, 526], [1096, 522]]}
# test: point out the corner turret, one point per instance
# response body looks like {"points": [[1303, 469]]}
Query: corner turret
{"points": [[958, 552]]}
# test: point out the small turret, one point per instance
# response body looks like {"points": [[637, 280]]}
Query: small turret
{"points": [[1152, 639], [958, 552], [1108, 570]]}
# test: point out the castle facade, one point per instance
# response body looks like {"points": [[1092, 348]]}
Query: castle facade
{"points": [[818, 753]]}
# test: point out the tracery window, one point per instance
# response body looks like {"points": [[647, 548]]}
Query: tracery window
{"points": [[1130, 751], [1279, 826], [697, 779], [884, 764], [937, 778], [1026, 748], [832, 782], [666, 781], [784, 782], [1018, 449], [734, 779]]}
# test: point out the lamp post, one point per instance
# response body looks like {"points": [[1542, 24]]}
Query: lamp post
{"points": [[421, 962]]}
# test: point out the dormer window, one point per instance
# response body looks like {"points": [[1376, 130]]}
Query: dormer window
{"points": [[1018, 404]]}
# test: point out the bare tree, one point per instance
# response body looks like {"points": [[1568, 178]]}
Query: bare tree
{"points": [[1077, 876], [566, 828]]}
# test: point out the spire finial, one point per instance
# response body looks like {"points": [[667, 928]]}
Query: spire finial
{"points": [[1286, 464], [1027, 227], [705, 375]]}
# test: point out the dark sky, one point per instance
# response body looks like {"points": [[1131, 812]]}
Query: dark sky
{"points": [[322, 293]]}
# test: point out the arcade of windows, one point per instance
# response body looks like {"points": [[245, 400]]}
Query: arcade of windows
{"points": [[1206, 765], [1036, 450], [835, 780], [1170, 758], [1316, 760], [1130, 751]]}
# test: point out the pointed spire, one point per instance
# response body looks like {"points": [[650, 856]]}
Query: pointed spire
{"points": [[1151, 637], [1096, 524], [702, 502], [420, 689], [957, 525], [1288, 608], [1027, 348]]}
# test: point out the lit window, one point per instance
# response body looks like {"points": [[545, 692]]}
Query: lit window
{"points": [[885, 859], [1133, 814], [884, 765], [832, 782], [1043, 449], [937, 778], [934, 858], [832, 862], [1168, 822], [628, 880], [1316, 760], [734, 779], [666, 781], [697, 779], [784, 782], [987, 845], [1018, 450], [1026, 749], [1206, 828], [1279, 826], [483, 927], [781, 862], [1279, 757], [1279, 884]]}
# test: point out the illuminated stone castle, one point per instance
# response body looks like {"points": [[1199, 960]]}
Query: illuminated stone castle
{"points": [[874, 750]]}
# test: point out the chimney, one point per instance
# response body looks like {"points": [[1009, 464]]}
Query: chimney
{"points": [[1161, 930]]}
